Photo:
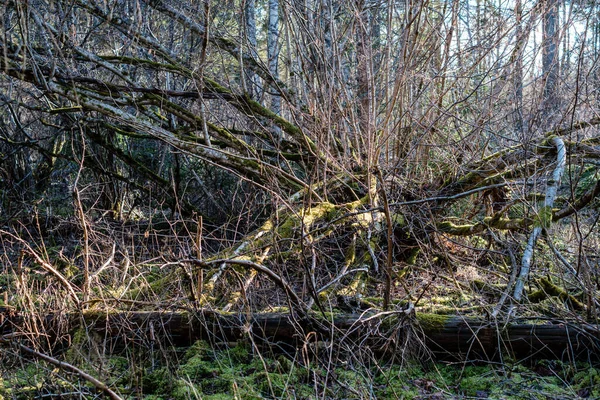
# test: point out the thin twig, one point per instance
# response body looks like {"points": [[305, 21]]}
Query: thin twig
{"points": [[563, 260], [509, 286], [260, 268], [46, 265], [106, 263], [71, 368], [340, 276]]}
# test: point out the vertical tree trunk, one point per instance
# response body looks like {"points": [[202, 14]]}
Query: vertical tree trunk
{"points": [[375, 20], [363, 78], [273, 49], [252, 80], [518, 72], [550, 62]]}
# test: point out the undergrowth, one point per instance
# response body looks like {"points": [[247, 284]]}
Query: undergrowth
{"points": [[238, 371]]}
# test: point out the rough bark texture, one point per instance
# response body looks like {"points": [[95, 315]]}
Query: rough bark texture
{"points": [[446, 337]]}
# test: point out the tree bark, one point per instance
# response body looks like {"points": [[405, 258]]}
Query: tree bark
{"points": [[273, 50], [252, 79], [544, 216], [444, 336], [550, 62]]}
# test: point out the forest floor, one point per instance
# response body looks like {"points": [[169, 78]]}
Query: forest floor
{"points": [[237, 372]]}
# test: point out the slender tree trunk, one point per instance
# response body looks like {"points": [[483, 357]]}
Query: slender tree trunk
{"points": [[273, 49], [518, 72], [544, 216], [363, 79], [375, 19], [550, 62], [252, 80]]}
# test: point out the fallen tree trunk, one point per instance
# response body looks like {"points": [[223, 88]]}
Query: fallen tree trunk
{"points": [[444, 336]]}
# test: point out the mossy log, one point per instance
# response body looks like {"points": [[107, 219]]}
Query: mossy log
{"points": [[445, 336]]}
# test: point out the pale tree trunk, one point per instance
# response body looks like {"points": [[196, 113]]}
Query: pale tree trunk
{"points": [[273, 49], [252, 80], [544, 216]]}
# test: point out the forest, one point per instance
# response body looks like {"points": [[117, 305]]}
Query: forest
{"points": [[303, 199]]}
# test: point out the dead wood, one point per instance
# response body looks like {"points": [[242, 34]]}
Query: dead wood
{"points": [[445, 337]]}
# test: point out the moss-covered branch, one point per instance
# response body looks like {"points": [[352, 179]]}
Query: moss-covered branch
{"points": [[478, 227]]}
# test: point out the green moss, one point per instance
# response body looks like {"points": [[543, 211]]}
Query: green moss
{"points": [[469, 229], [588, 379], [547, 142], [286, 228], [222, 396], [478, 241], [285, 365], [120, 368], [355, 287], [549, 289], [544, 217], [411, 259], [206, 376], [350, 256], [158, 381], [196, 368], [185, 390], [356, 379], [206, 372], [449, 227], [240, 353], [537, 296], [271, 384], [398, 220], [432, 322], [153, 284], [397, 382], [30, 381], [79, 352], [478, 379], [213, 373]]}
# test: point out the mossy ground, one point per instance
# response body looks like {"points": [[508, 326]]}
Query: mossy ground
{"points": [[237, 372]]}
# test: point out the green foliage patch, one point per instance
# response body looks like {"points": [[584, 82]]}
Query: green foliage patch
{"points": [[241, 372]]}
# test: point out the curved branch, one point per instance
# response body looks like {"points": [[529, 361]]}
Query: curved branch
{"points": [[281, 282], [545, 215], [581, 202], [253, 168], [488, 222], [71, 368]]}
